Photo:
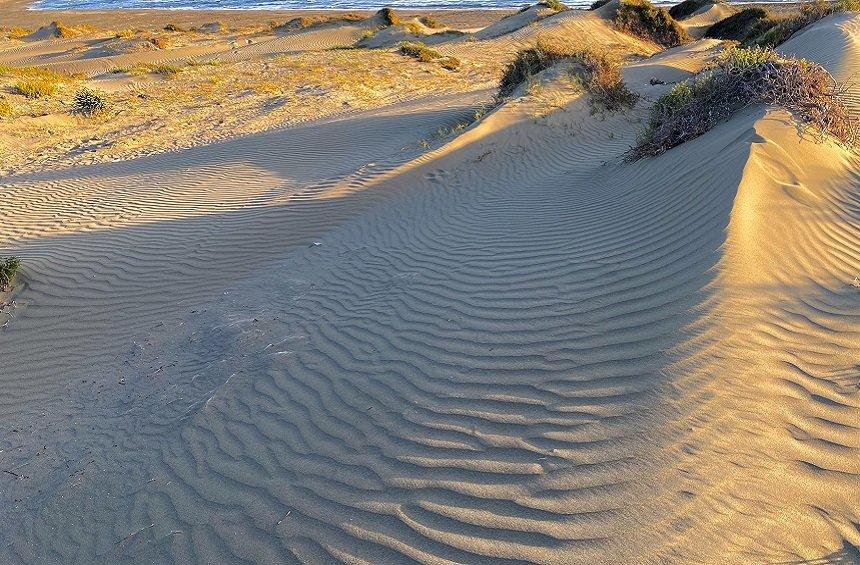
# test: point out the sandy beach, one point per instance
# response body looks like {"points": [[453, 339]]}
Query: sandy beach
{"points": [[295, 293]]}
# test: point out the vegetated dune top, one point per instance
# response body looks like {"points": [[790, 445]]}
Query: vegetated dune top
{"points": [[399, 333]]}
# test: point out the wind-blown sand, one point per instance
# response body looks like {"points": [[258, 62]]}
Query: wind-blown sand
{"points": [[359, 339]]}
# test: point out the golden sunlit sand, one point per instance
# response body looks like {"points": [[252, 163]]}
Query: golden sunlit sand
{"points": [[293, 292]]}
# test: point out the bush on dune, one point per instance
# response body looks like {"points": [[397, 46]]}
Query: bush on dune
{"points": [[598, 4], [599, 72], [553, 5], [89, 102], [743, 77], [642, 19], [757, 26], [8, 269], [389, 16], [738, 26], [689, 7]]}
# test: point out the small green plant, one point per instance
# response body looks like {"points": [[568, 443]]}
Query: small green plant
{"points": [[740, 78], [643, 19], [389, 17], [36, 88], [89, 102], [8, 269]]}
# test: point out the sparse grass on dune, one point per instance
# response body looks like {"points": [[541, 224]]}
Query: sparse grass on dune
{"points": [[431, 22], [738, 26], [388, 16], [5, 108], [553, 5], [642, 19], [36, 73], [598, 71], [306, 22], [35, 88], [421, 52], [743, 77], [758, 26], [13, 32], [8, 269], [689, 7]]}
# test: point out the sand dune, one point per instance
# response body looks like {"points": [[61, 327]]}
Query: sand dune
{"points": [[333, 342]]}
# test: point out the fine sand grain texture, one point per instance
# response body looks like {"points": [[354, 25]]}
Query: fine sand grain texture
{"points": [[427, 326]]}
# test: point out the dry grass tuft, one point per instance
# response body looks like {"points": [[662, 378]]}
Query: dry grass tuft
{"points": [[13, 32], [598, 71], [431, 22], [35, 88], [642, 19], [743, 77], [553, 5], [5, 108], [421, 52], [306, 22]]}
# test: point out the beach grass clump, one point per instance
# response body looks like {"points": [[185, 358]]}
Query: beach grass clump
{"points": [[35, 88], [14, 32], [431, 22], [598, 4], [750, 21], [8, 269], [173, 28], [88, 102], [305, 22], [689, 7], [554, 5], [166, 70], [643, 19], [598, 71], [809, 13], [35, 73], [389, 17], [5, 108], [421, 52], [743, 77]]}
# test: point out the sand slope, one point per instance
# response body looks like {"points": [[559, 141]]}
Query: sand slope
{"points": [[327, 343]]}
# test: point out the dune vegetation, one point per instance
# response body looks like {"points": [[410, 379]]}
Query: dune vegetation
{"points": [[643, 19], [8, 269], [743, 77]]}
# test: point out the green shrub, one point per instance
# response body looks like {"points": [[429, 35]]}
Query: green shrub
{"points": [[599, 4], [743, 77], [642, 19], [89, 102], [810, 13], [389, 16], [738, 26], [36, 88], [8, 269], [689, 7]]}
